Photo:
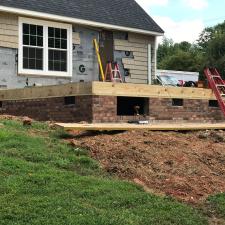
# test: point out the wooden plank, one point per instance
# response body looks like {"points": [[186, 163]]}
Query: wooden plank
{"points": [[152, 91], [152, 127], [74, 89], [107, 89]]}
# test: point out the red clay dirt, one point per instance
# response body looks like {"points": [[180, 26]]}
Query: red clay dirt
{"points": [[188, 166]]}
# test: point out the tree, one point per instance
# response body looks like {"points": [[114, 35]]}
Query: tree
{"points": [[183, 61], [209, 33], [165, 49], [212, 45], [179, 56], [215, 53], [208, 52]]}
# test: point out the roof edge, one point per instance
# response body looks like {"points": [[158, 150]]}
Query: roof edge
{"points": [[54, 17]]}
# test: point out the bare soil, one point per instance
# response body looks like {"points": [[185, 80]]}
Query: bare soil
{"points": [[188, 166]]}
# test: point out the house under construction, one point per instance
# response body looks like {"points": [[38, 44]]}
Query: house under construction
{"points": [[53, 56]]}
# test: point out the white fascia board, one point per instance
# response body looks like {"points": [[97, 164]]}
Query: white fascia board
{"points": [[65, 19]]}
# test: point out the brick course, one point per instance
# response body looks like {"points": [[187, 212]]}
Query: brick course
{"points": [[104, 109], [51, 109], [192, 110]]}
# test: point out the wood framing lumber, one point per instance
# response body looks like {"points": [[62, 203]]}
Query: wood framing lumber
{"points": [[106, 89], [152, 127]]}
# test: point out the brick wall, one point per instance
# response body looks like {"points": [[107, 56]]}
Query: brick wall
{"points": [[104, 109], [51, 109], [192, 110]]}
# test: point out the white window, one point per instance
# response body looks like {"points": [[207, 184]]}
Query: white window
{"points": [[45, 48]]}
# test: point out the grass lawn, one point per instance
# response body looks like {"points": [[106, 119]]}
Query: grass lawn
{"points": [[44, 181], [216, 204]]}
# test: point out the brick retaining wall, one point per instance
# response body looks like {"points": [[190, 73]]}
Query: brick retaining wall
{"points": [[51, 109], [192, 110], [104, 109]]}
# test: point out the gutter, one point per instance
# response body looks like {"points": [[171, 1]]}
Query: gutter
{"points": [[30, 13]]}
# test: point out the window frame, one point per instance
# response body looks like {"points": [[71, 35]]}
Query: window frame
{"points": [[45, 71]]}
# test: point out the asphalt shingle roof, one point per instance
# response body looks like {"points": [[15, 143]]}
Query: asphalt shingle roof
{"points": [[126, 13]]}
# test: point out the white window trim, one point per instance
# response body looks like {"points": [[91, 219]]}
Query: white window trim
{"points": [[45, 71]]}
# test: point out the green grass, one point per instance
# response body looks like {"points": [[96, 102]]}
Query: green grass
{"points": [[43, 181], [216, 204]]}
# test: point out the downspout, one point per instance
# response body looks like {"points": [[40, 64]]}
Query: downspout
{"points": [[149, 64]]}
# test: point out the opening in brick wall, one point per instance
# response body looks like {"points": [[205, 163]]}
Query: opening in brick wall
{"points": [[69, 100], [213, 103], [177, 102], [1, 104], [130, 106]]}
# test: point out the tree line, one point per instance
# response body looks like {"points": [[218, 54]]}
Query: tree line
{"points": [[208, 51]]}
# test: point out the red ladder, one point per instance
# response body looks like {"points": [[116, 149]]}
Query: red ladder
{"points": [[217, 84], [113, 74]]}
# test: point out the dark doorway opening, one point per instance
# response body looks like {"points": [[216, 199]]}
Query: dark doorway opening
{"points": [[106, 46], [130, 106]]}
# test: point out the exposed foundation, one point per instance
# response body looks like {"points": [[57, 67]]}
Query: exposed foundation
{"points": [[107, 102]]}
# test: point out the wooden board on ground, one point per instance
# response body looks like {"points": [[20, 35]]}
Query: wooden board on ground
{"points": [[153, 127]]}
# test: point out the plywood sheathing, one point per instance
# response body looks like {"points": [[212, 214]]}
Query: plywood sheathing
{"points": [[106, 89]]}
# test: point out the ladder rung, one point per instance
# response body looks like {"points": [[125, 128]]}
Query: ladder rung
{"points": [[220, 85], [215, 76]]}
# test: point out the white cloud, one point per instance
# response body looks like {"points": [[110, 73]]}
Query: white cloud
{"points": [[147, 3], [196, 4], [185, 30]]}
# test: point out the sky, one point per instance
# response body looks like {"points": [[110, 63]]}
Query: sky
{"points": [[183, 20]]}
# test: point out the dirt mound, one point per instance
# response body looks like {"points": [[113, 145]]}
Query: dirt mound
{"points": [[188, 166]]}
